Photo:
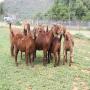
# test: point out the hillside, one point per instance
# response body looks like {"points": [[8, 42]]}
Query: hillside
{"points": [[27, 8]]}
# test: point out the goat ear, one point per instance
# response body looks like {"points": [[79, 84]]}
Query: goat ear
{"points": [[25, 32]]}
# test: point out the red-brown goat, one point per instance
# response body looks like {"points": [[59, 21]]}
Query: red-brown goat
{"points": [[43, 41], [24, 44], [56, 44], [68, 46], [15, 32]]}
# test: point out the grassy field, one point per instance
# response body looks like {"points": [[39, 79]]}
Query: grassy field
{"points": [[76, 77]]}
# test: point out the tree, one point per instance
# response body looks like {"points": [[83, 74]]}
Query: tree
{"points": [[87, 17], [1, 8], [38, 16], [58, 11], [69, 9]]}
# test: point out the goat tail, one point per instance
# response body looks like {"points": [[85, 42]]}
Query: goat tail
{"points": [[12, 33], [10, 28]]}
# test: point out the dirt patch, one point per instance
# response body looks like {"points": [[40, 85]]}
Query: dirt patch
{"points": [[86, 71], [29, 87], [79, 84], [75, 86], [74, 66], [84, 85], [77, 79], [19, 81]]}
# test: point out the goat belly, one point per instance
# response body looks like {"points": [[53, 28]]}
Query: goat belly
{"points": [[39, 47], [39, 44], [22, 49]]}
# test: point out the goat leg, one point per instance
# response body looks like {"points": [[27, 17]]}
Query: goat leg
{"points": [[64, 58], [29, 59], [16, 53], [58, 63], [49, 56], [35, 54], [45, 58], [26, 58], [55, 62], [70, 58], [12, 50], [32, 59]]}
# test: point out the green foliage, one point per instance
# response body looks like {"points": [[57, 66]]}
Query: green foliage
{"points": [[38, 16], [1, 8], [73, 9], [58, 11], [87, 17]]}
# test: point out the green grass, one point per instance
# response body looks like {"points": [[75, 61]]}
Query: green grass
{"points": [[81, 36], [43, 78]]}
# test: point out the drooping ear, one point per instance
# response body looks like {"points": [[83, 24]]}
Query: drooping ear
{"points": [[25, 32]]}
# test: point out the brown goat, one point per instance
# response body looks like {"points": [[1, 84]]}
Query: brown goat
{"points": [[68, 46], [24, 44], [56, 44], [55, 49], [43, 41], [15, 32]]}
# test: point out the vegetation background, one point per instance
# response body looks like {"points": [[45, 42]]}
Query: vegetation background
{"points": [[48, 9], [63, 77]]}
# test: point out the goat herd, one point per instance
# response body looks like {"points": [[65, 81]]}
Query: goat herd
{"points": [[48, 40]]}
